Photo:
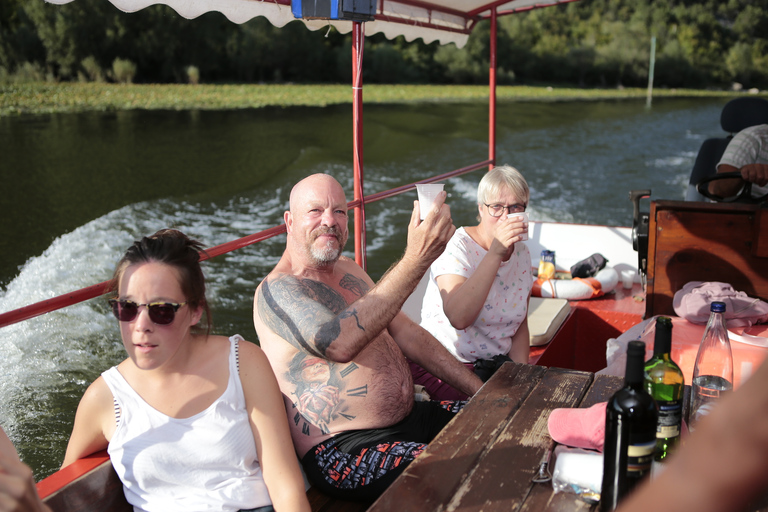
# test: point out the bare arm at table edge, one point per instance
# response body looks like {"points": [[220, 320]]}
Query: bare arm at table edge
{"points": [[337, 319], [421, 347], [17, 483], [720, 467]]}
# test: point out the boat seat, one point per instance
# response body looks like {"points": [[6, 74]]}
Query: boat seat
{"points": [[545, 316], [737, 114]]}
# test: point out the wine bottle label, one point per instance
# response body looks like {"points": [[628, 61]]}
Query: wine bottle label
{"points": [[670, 418], [640, 458]]}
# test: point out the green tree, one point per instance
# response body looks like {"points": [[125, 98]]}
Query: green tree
{"points": [[590, 42]]}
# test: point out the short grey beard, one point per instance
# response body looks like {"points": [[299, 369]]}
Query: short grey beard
{"points": [[325, 255]]}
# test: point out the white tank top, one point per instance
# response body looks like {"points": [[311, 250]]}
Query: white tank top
{"points": [[205, 462]]}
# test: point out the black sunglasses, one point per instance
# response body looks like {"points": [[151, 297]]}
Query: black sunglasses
{"points": [[161, 313]]}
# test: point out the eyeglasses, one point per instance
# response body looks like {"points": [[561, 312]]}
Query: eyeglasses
{"points": [[161, 313], [497, 210]]}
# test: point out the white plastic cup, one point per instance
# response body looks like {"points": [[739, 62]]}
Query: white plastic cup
{"points": [[427, 194], [627, 278], [524, 216]]}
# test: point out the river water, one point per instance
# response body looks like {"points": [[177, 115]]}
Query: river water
{"points": [[79, 188]]}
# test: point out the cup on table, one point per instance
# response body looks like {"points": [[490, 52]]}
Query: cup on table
{"points": [[627, 278], [427, 194], [524, 217]]}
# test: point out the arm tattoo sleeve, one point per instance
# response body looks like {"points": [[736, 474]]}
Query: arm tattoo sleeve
{"points": [[307, 313]]}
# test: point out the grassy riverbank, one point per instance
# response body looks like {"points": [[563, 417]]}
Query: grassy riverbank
{"points": [[39, 98]]}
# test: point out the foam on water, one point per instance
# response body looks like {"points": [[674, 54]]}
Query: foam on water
{"points": [[45, 360], [52, 358]]}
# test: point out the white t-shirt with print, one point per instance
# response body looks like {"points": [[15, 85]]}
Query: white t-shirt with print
{"points": [[504, 310]]}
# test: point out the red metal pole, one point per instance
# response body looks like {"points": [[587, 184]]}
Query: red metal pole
{"points": [[358, 42], [492, 99]]}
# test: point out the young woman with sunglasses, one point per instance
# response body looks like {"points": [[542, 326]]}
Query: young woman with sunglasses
{"points": [[476, 301], [191, 421]]}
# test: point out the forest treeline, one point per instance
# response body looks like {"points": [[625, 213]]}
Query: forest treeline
{"points": [[591, 43]]}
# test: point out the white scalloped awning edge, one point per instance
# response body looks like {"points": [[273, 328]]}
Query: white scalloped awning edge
{"points": [[411, 26]]}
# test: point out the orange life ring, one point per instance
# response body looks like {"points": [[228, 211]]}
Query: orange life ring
{"points": [[577, 288]]}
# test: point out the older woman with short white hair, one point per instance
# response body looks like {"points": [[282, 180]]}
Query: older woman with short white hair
{"points": [[476, 302]]}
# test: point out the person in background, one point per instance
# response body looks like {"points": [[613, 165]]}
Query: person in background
{"points": [[338, 344], [747, 153], [476, 301], [191, 421], [722, 466]]}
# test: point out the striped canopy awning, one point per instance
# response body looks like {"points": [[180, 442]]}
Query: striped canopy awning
{"points": [[446, 21]]}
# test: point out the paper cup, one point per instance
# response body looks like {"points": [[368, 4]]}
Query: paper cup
{"points": [[627, 278], [524, 216], [427, 194]]}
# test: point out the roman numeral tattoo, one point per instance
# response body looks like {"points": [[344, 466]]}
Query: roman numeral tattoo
{"points": [[349, 369], [362, 391]]}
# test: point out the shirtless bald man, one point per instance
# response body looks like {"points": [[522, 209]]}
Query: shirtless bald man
{"points": [[338, 345]]}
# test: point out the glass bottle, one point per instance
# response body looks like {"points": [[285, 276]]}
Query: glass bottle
{"points": [[713, 371], [630, 432], [664, 381]]}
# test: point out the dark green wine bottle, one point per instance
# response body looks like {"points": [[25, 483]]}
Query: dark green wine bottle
{"points": [[664, 381], [630, 432]]}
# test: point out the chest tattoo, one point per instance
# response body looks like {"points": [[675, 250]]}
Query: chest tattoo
{"points": [[308, 313]]}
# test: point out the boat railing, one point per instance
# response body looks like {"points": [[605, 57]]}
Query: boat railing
{"points": [[96, 290]]}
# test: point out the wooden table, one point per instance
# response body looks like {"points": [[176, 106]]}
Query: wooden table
{"points": [[486, 457]]}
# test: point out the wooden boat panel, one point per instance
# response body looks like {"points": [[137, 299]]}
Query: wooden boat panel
{"points": [[91, 485], [691, 241]]}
